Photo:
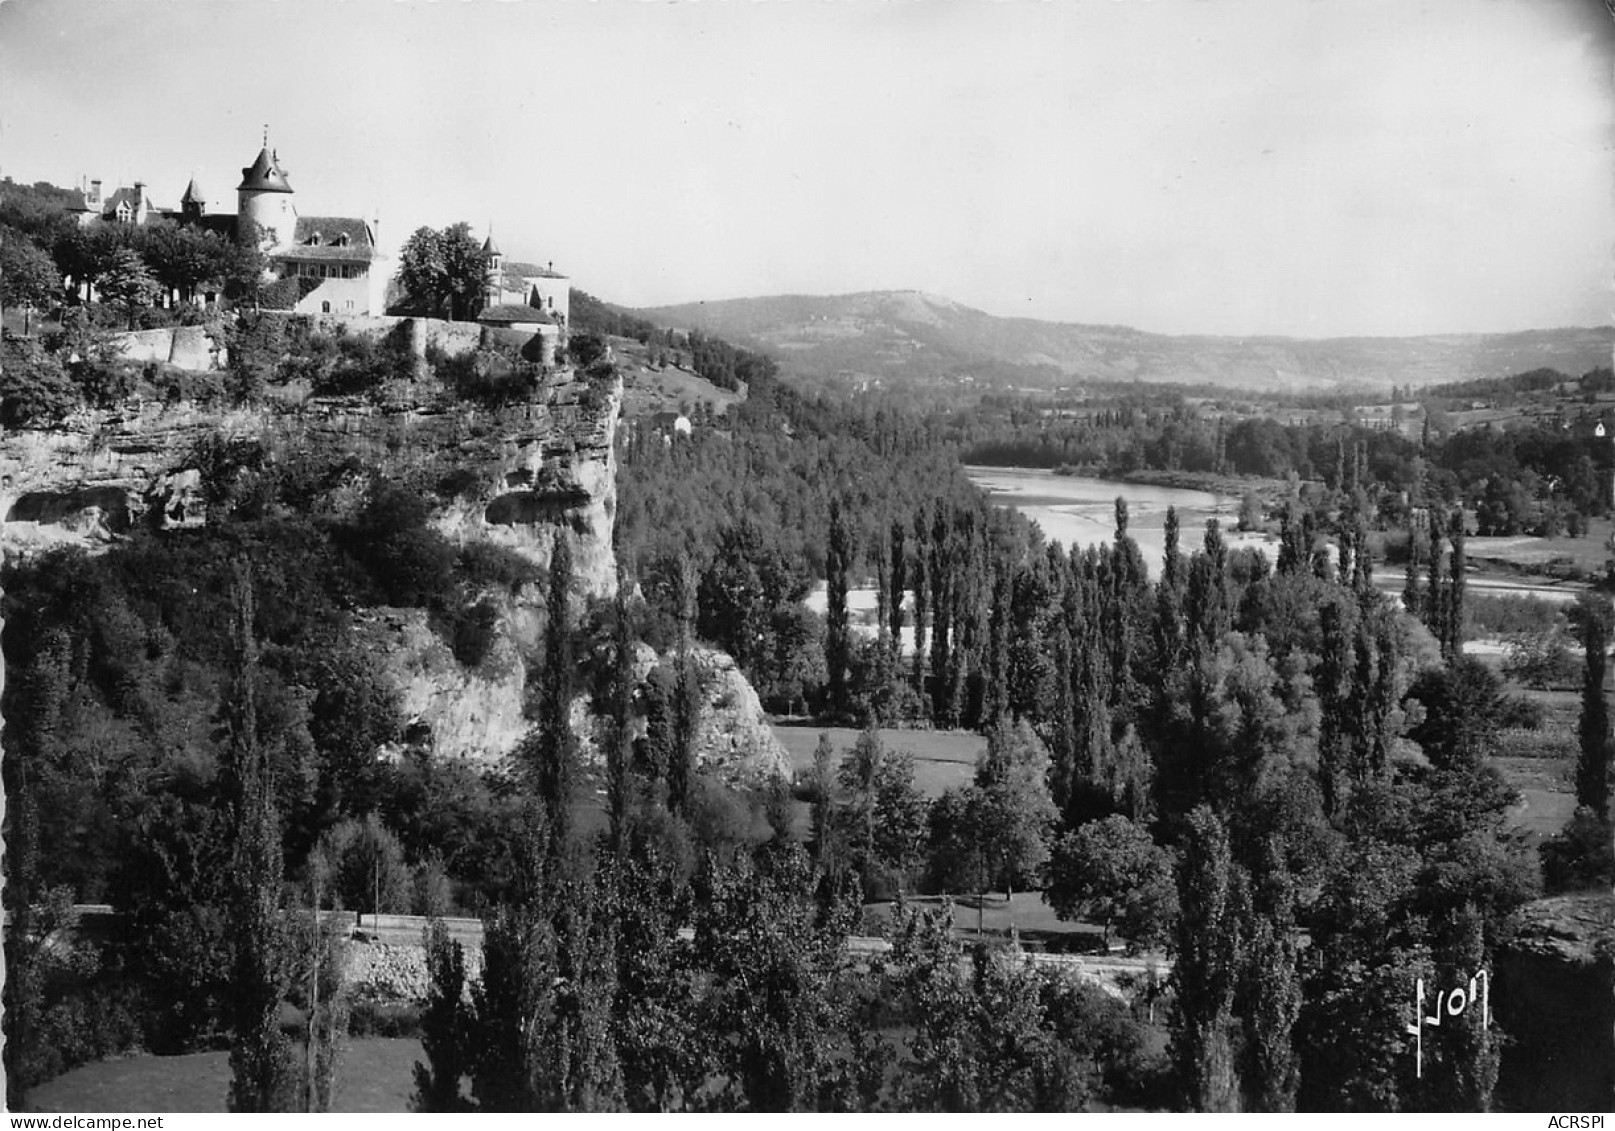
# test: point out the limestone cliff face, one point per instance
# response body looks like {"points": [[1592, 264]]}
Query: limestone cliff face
{"points": [[531, 474], [528, 475], [538, 471]]}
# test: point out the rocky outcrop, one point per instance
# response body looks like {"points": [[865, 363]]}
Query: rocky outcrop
{"points": [[733, 741], [1555, 998], [532, 474], [733, 738], [541, 470], [450, 709], [556, 476]]}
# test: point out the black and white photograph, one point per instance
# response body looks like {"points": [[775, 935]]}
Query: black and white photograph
{"points": [[807, 556]]}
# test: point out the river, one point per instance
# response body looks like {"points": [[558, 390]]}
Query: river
{"points": [[1076, 511]]}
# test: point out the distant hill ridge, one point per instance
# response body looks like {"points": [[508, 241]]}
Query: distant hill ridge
{"points": [[895, 338]]}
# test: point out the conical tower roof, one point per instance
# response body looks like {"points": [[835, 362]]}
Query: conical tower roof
{"points": [[193, 195], [264, 174], [489, 248]]}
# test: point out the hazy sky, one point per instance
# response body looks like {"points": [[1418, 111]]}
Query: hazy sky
{"points": [[1283, 166]]}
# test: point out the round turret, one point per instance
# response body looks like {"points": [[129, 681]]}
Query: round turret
{"points": [[265, 200], [193, 205], [493, 271]]}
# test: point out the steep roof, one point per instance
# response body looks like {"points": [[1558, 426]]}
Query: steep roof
{"points": [[489, 247], [531, 271], [331, 238], [193, 195], [264, 174], [513, 312], [125, 195]]}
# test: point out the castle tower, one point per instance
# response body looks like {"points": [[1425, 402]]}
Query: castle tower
{"points": [[493, 272], [193, 205], [265, 200]]}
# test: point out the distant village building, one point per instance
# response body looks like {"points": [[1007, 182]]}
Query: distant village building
{"points": [[340, 256], [671, 424]]}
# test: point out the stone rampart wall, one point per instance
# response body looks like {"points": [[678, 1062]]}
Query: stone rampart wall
{"points": [[193, 348]]}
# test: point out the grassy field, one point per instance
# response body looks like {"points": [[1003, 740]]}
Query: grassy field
{"points": [[1541, 555], [1540, 764], [943, 759], [1025, 913], [376, 1074], [647, 390]]}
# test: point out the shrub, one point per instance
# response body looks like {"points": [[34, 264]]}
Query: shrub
{"points": [[1581, 856], [35, 392], [104, 384], [1546, 742], [486, 565], [473, 632], [385, 1019], [176, 385], [586, 349], [411, 564], [256, 343], [285, 294], [1540, 659]]}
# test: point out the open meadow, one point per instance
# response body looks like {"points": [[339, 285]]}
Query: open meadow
{"points": [[375, 1075]]}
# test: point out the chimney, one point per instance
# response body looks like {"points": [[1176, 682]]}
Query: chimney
{"points": [[95, 192]]}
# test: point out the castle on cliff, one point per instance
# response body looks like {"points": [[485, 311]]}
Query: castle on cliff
{"points": [[340, 258]]}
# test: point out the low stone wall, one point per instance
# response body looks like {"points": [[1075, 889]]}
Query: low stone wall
{"points": [[184, 347], [451, 337], [397, 973]]}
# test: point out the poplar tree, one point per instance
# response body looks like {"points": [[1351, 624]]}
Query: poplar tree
{"points": [[445, 1025], [261, 1074], [837, 634], [943, 563], [899, 582], [1463, 1056], [921, 583], [1169, 597], [1412, 593], [821, 835], [620, 748], [1593, 762], [552, 751], [1271, 989], [686, 709], [1456, 584], [540, 1021], [1436, 604], [1335, 702], [1063, 726], [1205, 967], [995, 705]]}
